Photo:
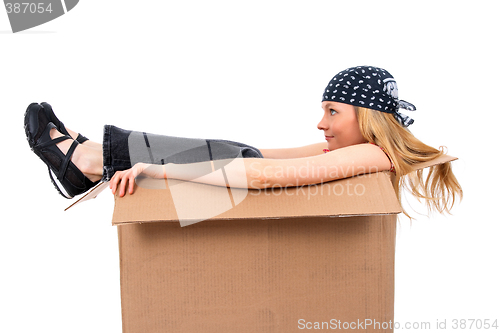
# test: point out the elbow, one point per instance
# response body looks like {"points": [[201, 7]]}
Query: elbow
{"points": [[257, 177], [258, 181]]}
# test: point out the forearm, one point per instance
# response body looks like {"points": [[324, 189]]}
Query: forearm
{"points": [[239, 173], [235, 173], [256, 173], [262, 173]]}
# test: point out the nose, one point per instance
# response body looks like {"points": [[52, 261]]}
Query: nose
{"points": [[323, 124]]}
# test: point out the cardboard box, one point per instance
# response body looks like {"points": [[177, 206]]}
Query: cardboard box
{"points": [[310, 257]]}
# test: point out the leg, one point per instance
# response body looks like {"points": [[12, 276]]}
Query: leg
{"points": [[87, 143], [87, 162], [87, 157], [122, 149]]}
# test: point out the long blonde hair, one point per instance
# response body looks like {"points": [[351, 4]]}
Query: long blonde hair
{"points": [[439, 188]]}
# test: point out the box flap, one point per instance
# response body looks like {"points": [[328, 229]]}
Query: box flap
{"points": [[439, 160], [92, 194], [189, 202]]}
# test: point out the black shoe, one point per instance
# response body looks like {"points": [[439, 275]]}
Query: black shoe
{"points": [[65, 176], [59, 125]]}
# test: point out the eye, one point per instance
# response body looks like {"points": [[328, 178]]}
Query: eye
{"points": [[332, 112]]}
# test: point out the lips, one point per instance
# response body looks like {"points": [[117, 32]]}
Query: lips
{"points": [[328, 137]]}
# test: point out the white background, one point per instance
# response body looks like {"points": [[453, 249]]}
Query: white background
{"points": [[253, 72]]}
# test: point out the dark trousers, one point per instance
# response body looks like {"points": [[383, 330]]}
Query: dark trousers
{"points": [[122, 149]]}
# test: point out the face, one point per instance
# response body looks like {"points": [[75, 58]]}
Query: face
{"points": [[340, 125]]}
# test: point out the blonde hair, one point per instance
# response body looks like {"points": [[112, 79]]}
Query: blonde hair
{"points": [[438, 189]]}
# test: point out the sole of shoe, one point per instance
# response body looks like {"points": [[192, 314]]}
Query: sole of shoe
{"points": [[59, 187], [26, 125]]}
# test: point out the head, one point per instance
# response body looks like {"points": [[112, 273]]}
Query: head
{"points": [[354, 88], [360, 105]]}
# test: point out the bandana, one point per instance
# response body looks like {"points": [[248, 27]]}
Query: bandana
{"points": [[368, 87]]}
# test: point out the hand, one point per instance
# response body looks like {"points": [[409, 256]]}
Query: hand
{"points": [[122, 177]]}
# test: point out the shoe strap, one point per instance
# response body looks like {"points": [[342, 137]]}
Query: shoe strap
{"points": [[67, 160], [46, 136], [53, 142], [81, 138]]}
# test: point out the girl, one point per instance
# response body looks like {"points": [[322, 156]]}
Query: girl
{"points": [[363, 128]]}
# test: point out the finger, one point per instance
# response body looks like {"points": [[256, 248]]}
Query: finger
{"points": [[123, 183], [112, 184], [131, 183], [114, 181]]}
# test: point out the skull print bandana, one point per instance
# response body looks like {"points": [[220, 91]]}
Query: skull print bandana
{"points": [[369, 87]]}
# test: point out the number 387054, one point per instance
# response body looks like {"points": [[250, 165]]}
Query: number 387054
{"points": [[28, 7]]}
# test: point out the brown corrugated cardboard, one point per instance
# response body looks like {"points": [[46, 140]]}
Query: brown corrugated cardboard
{"points": [[363, 195], [309, 257]]}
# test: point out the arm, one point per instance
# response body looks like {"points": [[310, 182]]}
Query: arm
{"points": [[260, 173], [305, 151]]}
